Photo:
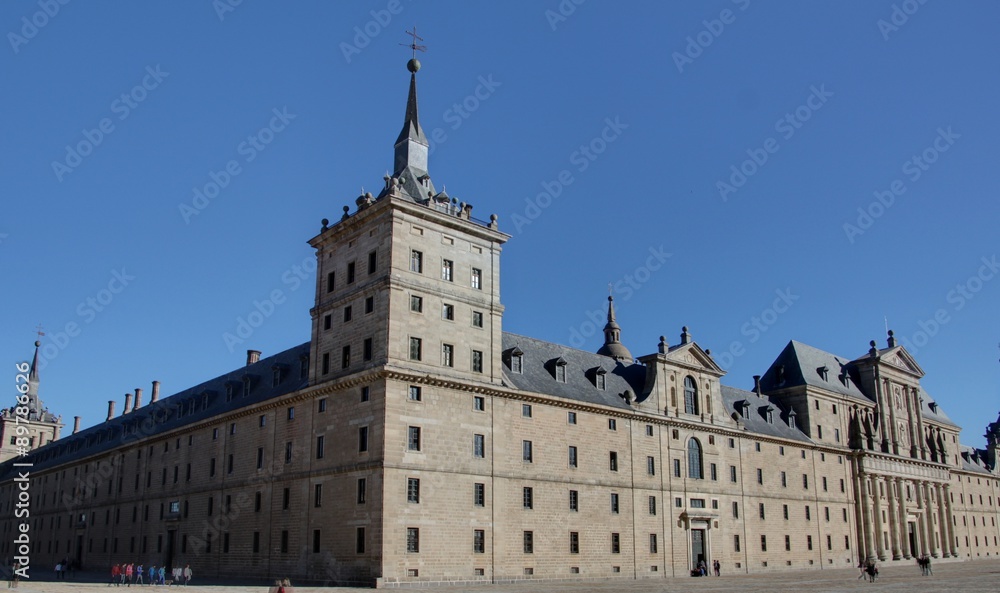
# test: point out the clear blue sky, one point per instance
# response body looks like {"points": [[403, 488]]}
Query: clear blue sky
{"points": [[667, 100]]}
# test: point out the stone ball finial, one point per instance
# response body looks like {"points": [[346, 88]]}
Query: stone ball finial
{"points": [[493, 217], [663, 339], [37, 343], [684, 329], [325, 222], [890, 333], [872, 343], [347, 209], [413, 65]]}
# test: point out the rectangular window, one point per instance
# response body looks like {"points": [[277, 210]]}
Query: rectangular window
{"points": [[367, 349], [651, 465], [479, 541], [285, 499], [805, 481], [447, 355], [526, 410], [366, 394], [372, 262], [477, 278], [329, 282], [413, 438], [614, 503], [808, 514], [260, 457], [788, 543], [736, 543], [526, 451], [616, 543], [529, 542], [288, 452], [316, 541], [574, 542], [350, 273], [760, 509], [359, 540], [413, 490], [414, 393], [571, 417], [574, 500], [369, 305], [824, 484], [416, 261], [784, 480], [732, 473], [763, 543], [714, 472], [477, 319], [327, 322], [417, 304], [229, 464], [652, 505], [478, 403], [320, 446], [362, 490], [572, 456], [652, 543], [477, 361], [447, 270], [326, 362], [345, 357], [258, 501], [348, 313], [448, 312], [318, 495], [362, 439], [736, 510], [612, 424], [479, 494], [528, 497], [412, 540], [677, 468], [416, 346], [784, 511], [478, 446], [649, 430], [613, 461]]}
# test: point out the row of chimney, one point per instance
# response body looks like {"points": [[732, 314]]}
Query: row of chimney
{"points": [[129, 406]]}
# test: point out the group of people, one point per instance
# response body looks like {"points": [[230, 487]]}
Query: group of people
{"points": [[127, 574], [701, 570], [925, 565], [63, 567], [868, 568]]}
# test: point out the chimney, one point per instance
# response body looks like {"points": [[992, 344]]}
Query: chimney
{"points": [[756, 385], [76, 424], [138, 399], [111, 409], [128, 404], [252, 356], [156, 392]]}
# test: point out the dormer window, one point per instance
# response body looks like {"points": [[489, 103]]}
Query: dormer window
{"points": [[601, 380], [229, 392], [824, 372], [560, 370], [275, 375], [303, 368], [933, 406], [246, 386], [515, 360]]}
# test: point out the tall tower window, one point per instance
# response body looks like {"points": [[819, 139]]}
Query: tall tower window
{"points": [[695, 460], [416, 261], [415, 348], [477, 278], [447, 355], [447, 270], [690, 396]]}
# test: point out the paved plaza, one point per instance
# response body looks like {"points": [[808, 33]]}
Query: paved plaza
{"points": [[981, 576]]}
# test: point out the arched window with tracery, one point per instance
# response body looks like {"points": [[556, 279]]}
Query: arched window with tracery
{"points": [[695, 460], [690, 396]]}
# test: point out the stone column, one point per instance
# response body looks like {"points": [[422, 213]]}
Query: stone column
{"points": [[879, 537], [893, 428], [922, 505], [859, 508], [941, 546], [922, 445], [949, 513], [925, 489], [866, 505], [903, 527], [893, 494]]}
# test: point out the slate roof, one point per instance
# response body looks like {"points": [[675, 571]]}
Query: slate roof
{"points": [[755, 420], [973, 460], [169, 413], [538, 372], [802, 363]]}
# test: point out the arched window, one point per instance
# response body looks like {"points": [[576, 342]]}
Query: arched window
{"points": [[694, 460], [690, 396]]}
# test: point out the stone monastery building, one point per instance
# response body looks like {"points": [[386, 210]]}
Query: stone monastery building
{"points": [[411, 439]]}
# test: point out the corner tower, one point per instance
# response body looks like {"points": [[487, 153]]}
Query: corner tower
{"points": [[409, 279]]}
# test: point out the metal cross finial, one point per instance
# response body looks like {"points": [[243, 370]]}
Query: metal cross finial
{"points": [[413, 44], [610, 289], [39, 331]]}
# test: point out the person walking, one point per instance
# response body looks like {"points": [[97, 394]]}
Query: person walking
{"points": [[717, 567], [116, 575], [152, 574], [138, 575], [187, 574], [163, 575]]}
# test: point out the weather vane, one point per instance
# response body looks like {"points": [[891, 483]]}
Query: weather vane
{"points": [[413, 44], [39, 331]]}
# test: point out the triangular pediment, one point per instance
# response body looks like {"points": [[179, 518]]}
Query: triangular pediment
{"points": [[901, 359], [692, 356]]}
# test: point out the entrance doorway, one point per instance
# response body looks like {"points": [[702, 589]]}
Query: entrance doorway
{"points": [[912, 537], [169, 558], [698, 548]]}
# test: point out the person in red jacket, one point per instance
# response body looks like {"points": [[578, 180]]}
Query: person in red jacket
{"points": [[116, 575]]}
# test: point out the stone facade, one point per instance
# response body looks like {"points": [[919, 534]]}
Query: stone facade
{"points": [[412, 440]]}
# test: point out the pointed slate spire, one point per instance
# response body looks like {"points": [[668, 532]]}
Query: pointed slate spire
{"points": [[612, 336], [411, 146], [33, 374], [34, 403]]}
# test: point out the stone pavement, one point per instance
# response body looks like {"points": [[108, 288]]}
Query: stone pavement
{"points": [[979, 576]]}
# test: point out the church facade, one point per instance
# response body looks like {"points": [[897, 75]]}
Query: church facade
{"points": [[411, 439]]}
